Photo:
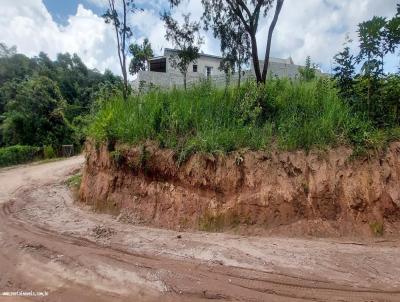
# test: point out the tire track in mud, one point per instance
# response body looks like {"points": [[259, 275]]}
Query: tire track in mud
{"points": [[184, 280]]}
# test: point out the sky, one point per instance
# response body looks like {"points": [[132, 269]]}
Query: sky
{"points": [[308, 27]]}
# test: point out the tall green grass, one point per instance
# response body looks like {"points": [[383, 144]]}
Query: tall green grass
{"points": [[288, 114]]}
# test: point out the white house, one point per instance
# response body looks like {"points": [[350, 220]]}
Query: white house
{"points": [[162, 74]]}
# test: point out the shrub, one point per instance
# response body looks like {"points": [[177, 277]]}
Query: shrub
{"points": [[48, 152], [18, 154]]}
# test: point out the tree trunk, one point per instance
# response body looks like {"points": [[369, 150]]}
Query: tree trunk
{"points": [[184, 80], [124, 73], [254, 54], [278, 9], [239, 75]]}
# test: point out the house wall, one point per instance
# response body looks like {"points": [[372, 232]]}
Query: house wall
{"points": [[202, 62], [147, 79], [281, 68]]}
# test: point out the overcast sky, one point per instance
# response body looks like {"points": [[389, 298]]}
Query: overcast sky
{"points": [[305, 27]]}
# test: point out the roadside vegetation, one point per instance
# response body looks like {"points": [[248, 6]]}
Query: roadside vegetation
{"points": [[359, 105], [45, 104], [287, 114], [48, 103], [18, 155]]}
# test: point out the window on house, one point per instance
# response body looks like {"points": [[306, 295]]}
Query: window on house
{"points": [[194, 68], [208, 71]]}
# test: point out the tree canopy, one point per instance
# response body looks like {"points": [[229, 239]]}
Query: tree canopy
{"points": [[43, 101], [140, 56], [186, 38]]}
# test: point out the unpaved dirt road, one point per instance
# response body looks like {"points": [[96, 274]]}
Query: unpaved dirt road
{"points": [[48, 243]]}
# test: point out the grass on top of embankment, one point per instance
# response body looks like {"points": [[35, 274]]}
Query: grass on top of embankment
{"points": [[288, 114]]}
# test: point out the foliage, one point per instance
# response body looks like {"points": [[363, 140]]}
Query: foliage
{"points": [[307, 73], [18, 154], [123, 32], [235, 45], [344, 71], [207, 119], [186, 38], [45, 102], [372, 93], [74, 181], [6, 51], [221, 14], [372, 47], [35, 114], [48, 152], [140, 56]]}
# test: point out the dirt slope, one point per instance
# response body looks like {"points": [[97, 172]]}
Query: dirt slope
{"points": [[290, 193], [49, 243]]}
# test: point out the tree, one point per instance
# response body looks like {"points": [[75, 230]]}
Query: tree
{"points": [[35, 114], [6, 51], [247, 13], [28, 85], [392, 32], [372, 46], [140, 56], [123, 33], [307, 73], [372, 51], [187, 39], [344, 70], [235, 45]]}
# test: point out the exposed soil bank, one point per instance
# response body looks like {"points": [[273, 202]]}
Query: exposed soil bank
{"points": [[322, 194]]}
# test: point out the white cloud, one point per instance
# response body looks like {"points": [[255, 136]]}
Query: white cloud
{"points": [[28, 25], [308, 27], [318, 27]]}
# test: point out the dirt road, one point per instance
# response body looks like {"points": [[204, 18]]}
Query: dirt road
{"points": [[48, 243]]}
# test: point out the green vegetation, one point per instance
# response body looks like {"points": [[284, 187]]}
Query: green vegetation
{"points": [[74, 181], [288, 114], [18, 155], [48, 152], [45, 102]]}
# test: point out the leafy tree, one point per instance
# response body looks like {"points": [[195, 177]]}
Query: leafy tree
{"points": [[372, 46], [34, 114], [123, 33], [372, 50], [235, 45], [344, 70], [16, 67], [6, 51], [78, 86], [187, 39], [307, 73], [392, 32], [140, 56], [247, 13]]}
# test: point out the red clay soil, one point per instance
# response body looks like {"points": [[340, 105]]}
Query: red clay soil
{"points": [[49, 243], [282, 193]]}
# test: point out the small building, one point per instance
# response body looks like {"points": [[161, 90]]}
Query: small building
{"points": [[162, 74]]}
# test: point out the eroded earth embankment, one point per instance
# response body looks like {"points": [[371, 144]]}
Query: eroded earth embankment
{"points": [[326, 193]]}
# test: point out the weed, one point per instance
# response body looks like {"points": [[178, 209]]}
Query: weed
{"points": [[48, 152], [377, 228], [74, 181]]}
